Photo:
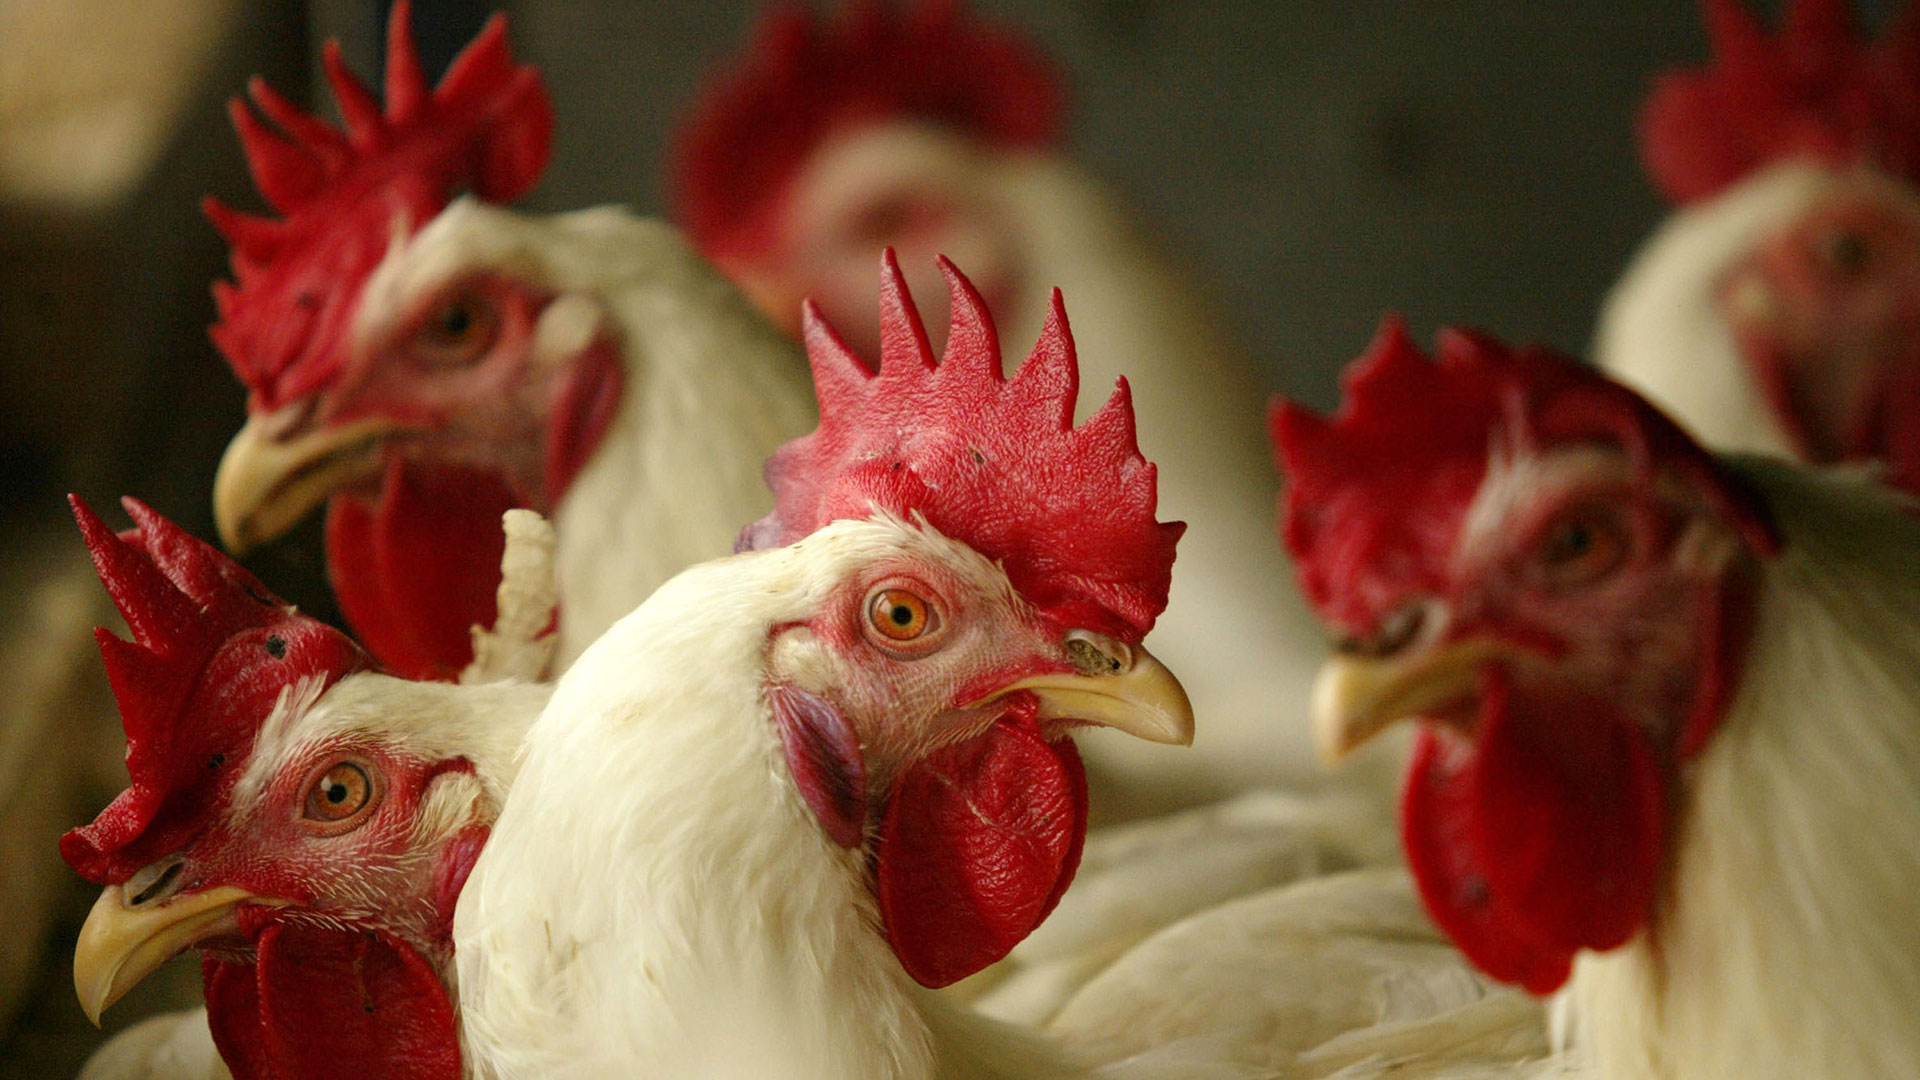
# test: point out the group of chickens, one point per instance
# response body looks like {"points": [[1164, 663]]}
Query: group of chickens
{"points": [[588, 796]]}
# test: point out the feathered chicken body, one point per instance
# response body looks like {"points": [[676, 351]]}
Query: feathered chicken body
{"points": [[422, 363], [302, 819], [1778, 310], [1670, 747], [794, 782], [921, 126]]}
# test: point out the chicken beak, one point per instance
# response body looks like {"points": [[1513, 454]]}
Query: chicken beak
{"points": [[1358, 697], [266, 484], [120, 945], [1115, 685]]}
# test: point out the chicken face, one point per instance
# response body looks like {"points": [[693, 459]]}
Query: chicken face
{"points": [[920, 653], [950, 655], [1827, 314], [428, 398], [1557, 582], [273, 823], [1794, 156], [880, 126]]}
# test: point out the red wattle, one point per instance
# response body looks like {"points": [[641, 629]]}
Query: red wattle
{"points": [[316, 1002], [1541, 839], [978, 842], [417, 571], [583, 402], [1898, 418]]}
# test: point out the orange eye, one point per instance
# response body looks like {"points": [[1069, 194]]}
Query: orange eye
{"points": [[898, 615], [459, 332], [342, 791], [1582, 545]]}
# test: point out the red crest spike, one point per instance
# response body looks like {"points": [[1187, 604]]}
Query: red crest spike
{"points": [[803, 78], [1383, 485], [1817, 91], [212, 652], [995, 463], [487, 128]]}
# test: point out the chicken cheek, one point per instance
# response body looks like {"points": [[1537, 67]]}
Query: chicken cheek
{"points": [[1527, 855], [317, 1002], [978, 842], [416, 572]]}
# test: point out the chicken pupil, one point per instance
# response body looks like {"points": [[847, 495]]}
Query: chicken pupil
{"points": [[901, 615], [336, 792]]}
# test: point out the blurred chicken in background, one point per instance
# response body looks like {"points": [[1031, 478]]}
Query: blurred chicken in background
{"points": [[1668, 701], [918, 126], [421, 363], [1778, 310]]}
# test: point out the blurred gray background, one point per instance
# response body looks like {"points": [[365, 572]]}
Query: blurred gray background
{"points": [[1317, 161]]}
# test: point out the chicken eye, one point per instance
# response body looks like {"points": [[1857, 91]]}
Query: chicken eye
{"points": [[1844, 251], [458, 332], [338, 794], [1582, 545], [900, 616]]}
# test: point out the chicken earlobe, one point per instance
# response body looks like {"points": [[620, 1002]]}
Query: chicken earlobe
{"points": [[823, 754]]}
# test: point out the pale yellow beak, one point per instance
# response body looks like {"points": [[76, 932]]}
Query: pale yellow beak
{"points": [[120, 945], [1118, 686], [1358, 697], [266, 484]]}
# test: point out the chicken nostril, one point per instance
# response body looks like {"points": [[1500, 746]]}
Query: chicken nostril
{"points": [[1395, 633], [154, 882], [1091, 654]]}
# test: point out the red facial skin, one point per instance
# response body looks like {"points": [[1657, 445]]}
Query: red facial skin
{"points": [[350, 968], [820, 245], [1537, 816], [974, 822], [414, 549], [1610, 581], [1836, 350]]}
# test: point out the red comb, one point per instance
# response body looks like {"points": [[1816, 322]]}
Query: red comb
{"points": [[1818, 91], [1375, 495], [488, 127], [804, 78], [995, 463], [211, 650]]}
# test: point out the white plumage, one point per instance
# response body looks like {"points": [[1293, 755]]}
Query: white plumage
{"points": [[1786, 945]]}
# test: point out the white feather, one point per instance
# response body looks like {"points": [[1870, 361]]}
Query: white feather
{"points": [[1660, 330], [711, 389], [171, 1046], [1786, 944]]}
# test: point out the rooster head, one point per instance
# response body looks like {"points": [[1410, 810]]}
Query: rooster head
{"points": [[396, 365], [1557, 582], [777, 180], [313, 859], [995, 570], [1824, 307]]}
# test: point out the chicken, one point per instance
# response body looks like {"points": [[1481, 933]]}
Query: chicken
{"points": [[795, 782], [302, 819], [421, 363], [1669, 704], [918, 126], [1778, 310]]}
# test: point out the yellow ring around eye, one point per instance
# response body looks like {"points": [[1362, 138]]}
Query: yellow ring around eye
{"points": [[898, 615]]}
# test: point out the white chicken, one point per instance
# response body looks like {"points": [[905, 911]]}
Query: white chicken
{"points": [[794, 783], [1669, 753], [422, 363], [1778, 310], [919, 126], [304, 822]]}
